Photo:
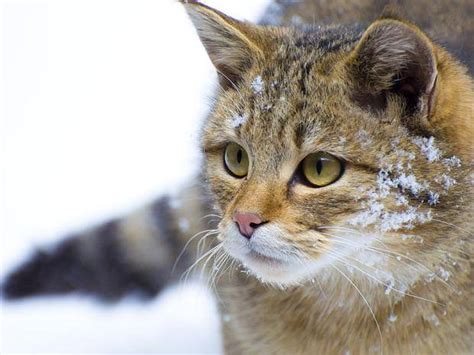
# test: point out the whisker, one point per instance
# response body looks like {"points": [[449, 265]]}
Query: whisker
{"points": [[366, 302], [390, 253], [211, 251], [203, 268], [381, 282], [209, 231], [452, 225]]}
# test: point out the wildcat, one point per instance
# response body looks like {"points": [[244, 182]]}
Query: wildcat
{"points": [[338, 164]]}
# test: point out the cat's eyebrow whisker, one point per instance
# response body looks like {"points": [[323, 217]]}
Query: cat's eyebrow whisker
{"points": [[377, 280], [365, 301], [388, 253]]}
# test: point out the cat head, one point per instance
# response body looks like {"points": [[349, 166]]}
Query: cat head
{"points": [[327, 145]]}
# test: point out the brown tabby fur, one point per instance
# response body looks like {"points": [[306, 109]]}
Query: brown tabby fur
{"points": [[313, 96], [365, 94]]}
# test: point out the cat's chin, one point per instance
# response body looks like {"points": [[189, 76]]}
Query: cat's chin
{"points": [[281, 273]]}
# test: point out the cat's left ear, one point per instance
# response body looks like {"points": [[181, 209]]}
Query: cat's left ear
{"points": [[232, 45], [394, 58]]}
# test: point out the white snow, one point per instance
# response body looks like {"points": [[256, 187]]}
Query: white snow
{"points": [[388, 184], [181, 320], [392, 318], [443, 273], [447, 181], [454, 161], [433, 198], [428, 148], [101, 111], [238, 120], [258, 84]]}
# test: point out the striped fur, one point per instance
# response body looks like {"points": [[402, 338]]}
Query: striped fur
{"points": [[133, 254]]}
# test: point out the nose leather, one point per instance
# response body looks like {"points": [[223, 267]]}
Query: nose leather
{"points": [[247, 222]]}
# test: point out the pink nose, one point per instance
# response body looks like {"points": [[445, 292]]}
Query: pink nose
{"points": [[247, 223]]}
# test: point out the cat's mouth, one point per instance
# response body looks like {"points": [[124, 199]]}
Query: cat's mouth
{"points": [[262, 255]]}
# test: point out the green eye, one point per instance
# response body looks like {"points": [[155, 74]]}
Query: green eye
{"points": [[236, 160], [321, 169]]}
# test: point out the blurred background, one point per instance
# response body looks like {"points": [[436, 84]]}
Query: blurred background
{"points": [[101, 106]]}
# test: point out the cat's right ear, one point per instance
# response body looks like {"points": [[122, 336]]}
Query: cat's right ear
{"points": [[395, 58], [232, 45]]}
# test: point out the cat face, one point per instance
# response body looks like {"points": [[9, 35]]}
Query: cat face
{"points": [[318, 151]]}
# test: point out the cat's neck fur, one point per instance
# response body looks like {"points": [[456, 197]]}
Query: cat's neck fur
{"points": [[329, 316]]}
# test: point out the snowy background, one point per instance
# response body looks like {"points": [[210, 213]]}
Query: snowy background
{"points": [[101, 101]]}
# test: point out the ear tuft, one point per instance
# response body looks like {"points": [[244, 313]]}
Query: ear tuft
{"points": [[230, 44], [395, 58]]}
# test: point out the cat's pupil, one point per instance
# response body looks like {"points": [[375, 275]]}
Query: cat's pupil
{"points": [[239, 156], [319, 166]]}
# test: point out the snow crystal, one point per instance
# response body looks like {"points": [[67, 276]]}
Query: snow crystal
{"points": [[408, 182], [444, 274], [392, 317], [447, 181], [397, 183], [428, 148], [406, 219], [258, 85], [454, 161], [238, 120], [414, 237], [226, 318], [430, 277], [399, 258], [376, 213], [440, 272], [401, 200], [389, 286], [433, 198]]}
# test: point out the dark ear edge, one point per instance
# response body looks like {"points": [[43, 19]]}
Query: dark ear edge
{"points": [[230, 44], [394, 58]]}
